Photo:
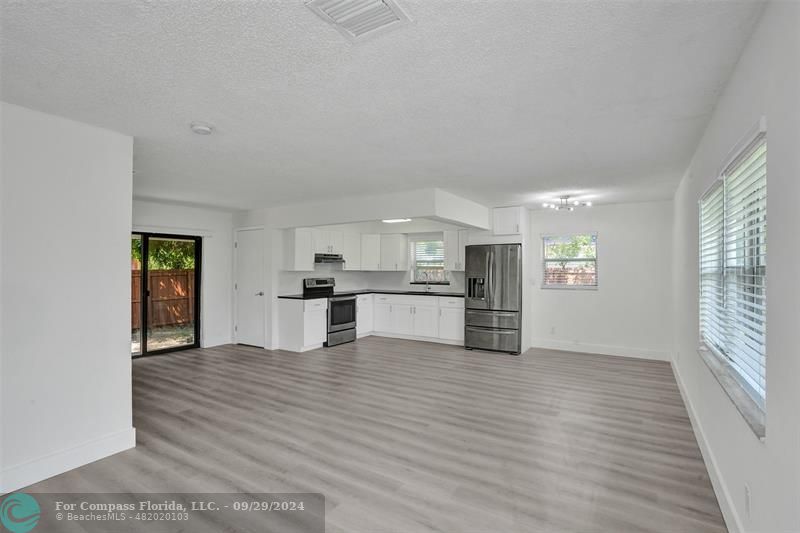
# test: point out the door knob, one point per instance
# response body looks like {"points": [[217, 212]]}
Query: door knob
{"points": [[260, 293]]}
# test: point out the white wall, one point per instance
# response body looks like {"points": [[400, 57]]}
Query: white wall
{"points": [[630, 312], [66, 366], [766, 82], [216, 229]]}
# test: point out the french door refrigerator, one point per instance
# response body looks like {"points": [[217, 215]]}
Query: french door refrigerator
{"points": [[493, 297]]}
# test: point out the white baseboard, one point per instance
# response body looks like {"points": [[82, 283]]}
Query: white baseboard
{"points": [[413, 338], [732, 520], [218, 341], [603, 349], [25, 474]]}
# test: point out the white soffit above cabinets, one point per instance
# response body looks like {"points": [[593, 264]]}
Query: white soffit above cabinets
{"points": [[360, 19]]}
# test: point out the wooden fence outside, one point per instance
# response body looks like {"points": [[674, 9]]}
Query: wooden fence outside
{"points": [[171, 298]]}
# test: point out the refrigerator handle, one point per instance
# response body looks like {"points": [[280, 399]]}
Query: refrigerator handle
{"points": [[490, 281]]}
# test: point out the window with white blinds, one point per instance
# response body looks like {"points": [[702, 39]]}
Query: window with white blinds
{"points": [[428, 261], [733, 253]]}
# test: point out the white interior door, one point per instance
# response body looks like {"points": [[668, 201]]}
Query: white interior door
{"points": [[249, 287]]}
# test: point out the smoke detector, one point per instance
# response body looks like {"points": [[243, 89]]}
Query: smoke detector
{"points": [[360, 19]]}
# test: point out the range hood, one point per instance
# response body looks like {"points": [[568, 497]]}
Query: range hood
{"points": [[328, 258]]}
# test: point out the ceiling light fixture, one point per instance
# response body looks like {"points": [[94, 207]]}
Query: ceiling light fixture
{"points": [[202, 128], [395, 220], [565, 203]]}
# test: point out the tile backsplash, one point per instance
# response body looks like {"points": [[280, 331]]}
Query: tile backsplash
{"points": [[291, 282]]}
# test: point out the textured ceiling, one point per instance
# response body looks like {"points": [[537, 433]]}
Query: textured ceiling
{"points": [[500, 101]]}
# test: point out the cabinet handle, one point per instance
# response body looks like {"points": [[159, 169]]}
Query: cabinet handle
{"points": [[440, 312], [517, 228]]}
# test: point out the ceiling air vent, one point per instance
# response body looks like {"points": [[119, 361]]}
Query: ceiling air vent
{"points": [[359, 19]]}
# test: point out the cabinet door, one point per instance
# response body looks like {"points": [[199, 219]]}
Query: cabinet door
{"points": [[463, 237], [351, 251], [394, 252], [315, 327], [370, 251], [336, 242], [451, 323], [388, 261], [298, 249], [426, 320], [402, 319], [451, 255], [506, 220], [382, 313], [364, 314], [321, 238], [403, 253]]}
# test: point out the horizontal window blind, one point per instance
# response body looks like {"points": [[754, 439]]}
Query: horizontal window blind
{"points": [[712, 300], [733, 262], [429, 261]]}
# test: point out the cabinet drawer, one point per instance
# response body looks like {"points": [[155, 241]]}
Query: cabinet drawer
{"points": [[318, 304], [365, 299], [492, 319], [450, 301]]}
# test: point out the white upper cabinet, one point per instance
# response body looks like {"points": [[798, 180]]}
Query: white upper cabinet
{"points": [[336, 238], [370, 251], [394, 252], [351, 251], [507, 220], [328, 241], [454, 249], [298, 249]]}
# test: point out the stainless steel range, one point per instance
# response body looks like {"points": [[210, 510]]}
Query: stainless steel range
{"points": [[341, 309]]}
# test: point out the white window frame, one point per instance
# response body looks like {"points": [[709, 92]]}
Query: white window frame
{"points": [[562, 286], [754, 138]]}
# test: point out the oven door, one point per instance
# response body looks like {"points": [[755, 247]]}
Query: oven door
{"points": [[341, 313]]}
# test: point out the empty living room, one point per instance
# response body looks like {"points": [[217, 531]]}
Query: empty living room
{"points": [[399, 266]]}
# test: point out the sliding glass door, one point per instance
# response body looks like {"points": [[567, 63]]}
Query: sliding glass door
{"points": [[165, 293]]}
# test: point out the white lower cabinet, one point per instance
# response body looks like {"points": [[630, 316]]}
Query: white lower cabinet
{"points": [[402, 319], [365, 314], [302, 324], [451, 324], [451, 318], [417, 316], [426, 319], [382, 311]]}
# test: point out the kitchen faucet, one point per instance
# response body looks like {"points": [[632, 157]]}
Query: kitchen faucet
{"points": [[427, 281]]}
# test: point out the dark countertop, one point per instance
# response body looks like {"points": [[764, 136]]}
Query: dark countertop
{"points": [[375, 291]]}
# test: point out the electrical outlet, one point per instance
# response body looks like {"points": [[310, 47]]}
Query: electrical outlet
{"points": [[747, 500]]}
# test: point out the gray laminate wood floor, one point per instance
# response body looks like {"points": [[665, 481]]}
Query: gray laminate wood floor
{"points": [[405, 436]]}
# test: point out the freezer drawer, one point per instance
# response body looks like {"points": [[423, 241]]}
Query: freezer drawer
{"points": [[492, 319], [500, 340]]}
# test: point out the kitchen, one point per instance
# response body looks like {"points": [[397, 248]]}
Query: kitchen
{"points": [[400, 278]]}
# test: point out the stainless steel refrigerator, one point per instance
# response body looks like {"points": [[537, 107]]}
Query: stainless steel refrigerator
{"points": [[493, 297]]}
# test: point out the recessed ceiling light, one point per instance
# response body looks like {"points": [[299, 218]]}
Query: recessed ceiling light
{"points": [[201, 128], [395, 220]]}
